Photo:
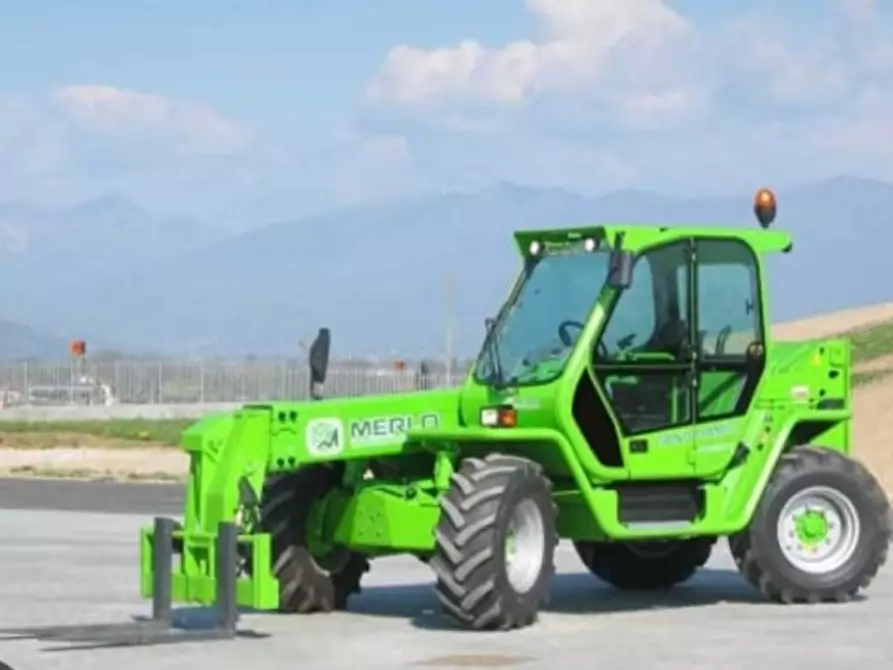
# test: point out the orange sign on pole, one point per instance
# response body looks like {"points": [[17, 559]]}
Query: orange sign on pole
{"points": [[77, 348]]}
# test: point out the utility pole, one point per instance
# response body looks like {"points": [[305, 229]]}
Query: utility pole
{"points": [[448, 326]]}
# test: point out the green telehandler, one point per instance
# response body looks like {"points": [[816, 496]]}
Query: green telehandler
{"points": [[628, 397]]}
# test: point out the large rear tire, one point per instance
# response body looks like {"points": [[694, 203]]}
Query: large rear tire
{"points": [[496, 540], [645, 565], [308, 581], [820, 533]]}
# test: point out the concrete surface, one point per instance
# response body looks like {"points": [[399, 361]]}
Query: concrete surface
{"points": [[76, 496], [64, 567], [110, 412]]}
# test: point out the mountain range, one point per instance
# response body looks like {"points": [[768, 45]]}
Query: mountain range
{"points": [[385, 278]]}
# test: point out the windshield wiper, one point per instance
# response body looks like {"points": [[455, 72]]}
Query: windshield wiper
{"points": [[497, 379], [492, 345]]}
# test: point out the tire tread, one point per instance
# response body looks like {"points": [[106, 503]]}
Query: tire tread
{"points": [[748, 546], [465, 561], [617, 564], [304, 586]]}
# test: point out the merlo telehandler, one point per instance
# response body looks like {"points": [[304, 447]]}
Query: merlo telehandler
{"points": [[628, 397]]}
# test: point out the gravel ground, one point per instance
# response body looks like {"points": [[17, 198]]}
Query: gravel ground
{"points": [[72, 567]]}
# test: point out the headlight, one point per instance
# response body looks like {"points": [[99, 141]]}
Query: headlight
{"points": [[499, 417]]}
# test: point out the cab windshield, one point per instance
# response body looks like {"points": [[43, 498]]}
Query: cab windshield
{"points": [[535, 332]]}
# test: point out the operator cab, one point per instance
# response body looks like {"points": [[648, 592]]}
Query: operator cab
{"points": [[568, 274], [670, 320]]}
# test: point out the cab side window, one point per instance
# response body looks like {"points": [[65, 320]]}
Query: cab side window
{"points": [[632, 322], [728, 298], [651, 317]]}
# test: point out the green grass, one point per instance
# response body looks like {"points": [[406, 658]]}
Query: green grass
{"points": [[871, 342], [121, 431], [868, 376], [92, 475]]}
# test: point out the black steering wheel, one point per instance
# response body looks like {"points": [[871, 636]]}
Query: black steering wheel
{"points": [[721, 340], [565, 336], [566, 339]]}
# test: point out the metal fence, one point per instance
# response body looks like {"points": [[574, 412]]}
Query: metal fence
{"points": [[172, 382]]}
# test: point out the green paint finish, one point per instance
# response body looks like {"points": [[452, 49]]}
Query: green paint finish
{"points": [[811, 527], [194, 578], [354, 428], [389, 518], [674, 378], [324, 515]]}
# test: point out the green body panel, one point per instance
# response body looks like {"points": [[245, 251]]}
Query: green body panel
{"points": [[194, 578], [401, 449]]}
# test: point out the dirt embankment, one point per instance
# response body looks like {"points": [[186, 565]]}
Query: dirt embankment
{"points": [[136, 463], [872, 431], [826, 325]]}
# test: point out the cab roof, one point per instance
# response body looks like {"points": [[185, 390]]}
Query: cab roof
{"points": [[637, 237]]}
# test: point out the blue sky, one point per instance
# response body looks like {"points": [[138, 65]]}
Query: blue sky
{"points": [[249, 111]]}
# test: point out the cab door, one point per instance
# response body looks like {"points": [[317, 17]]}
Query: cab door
{"points": [[644, 363], [731, 352]]}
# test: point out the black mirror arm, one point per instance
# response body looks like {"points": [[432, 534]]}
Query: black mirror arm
{"points": [[319, 362]]}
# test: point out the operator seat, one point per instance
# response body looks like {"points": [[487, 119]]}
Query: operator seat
{"points": [[672, 338]]}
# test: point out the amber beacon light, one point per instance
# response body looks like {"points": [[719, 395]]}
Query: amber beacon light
{"points": [[765, 207]]}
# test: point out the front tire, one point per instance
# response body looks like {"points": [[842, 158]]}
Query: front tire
{"points": [[308, 581], [645, 565], [820, 532], [496, 540]]}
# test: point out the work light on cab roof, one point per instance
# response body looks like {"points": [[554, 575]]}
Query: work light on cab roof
{"points": [[590, 244]]}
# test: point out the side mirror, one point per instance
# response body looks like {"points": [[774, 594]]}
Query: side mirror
{"points": [[319, 362], [620, 271], [489, 322]]}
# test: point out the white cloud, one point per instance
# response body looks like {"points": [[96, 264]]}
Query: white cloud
{"points": [[769, 55], [79, 142], [125, 113], [834, 82], [603, 94], [642, 60], [630, 55], [769, 94]]}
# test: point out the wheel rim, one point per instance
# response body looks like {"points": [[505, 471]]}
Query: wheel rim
{"points": [[525, 546], [818, 530]]}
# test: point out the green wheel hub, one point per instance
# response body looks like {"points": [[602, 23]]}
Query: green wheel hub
{"points": [[812, 527], [818, 529]]}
